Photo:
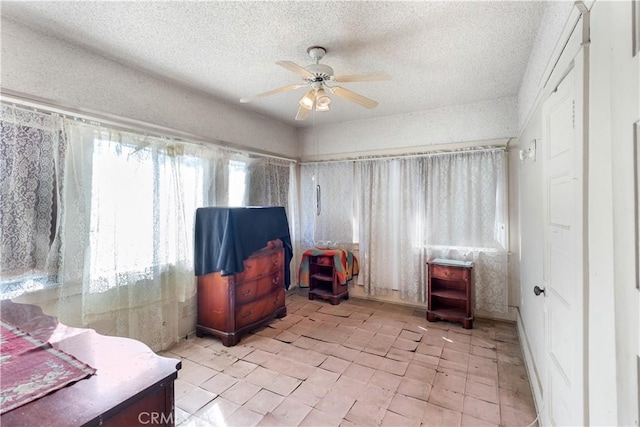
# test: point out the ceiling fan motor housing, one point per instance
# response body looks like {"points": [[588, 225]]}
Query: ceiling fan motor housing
{"points": [[321, 71], [316, 52]]}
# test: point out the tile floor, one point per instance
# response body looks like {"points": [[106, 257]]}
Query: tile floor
{"points": [[359, 363]]}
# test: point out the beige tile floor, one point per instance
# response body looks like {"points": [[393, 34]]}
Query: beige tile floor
{"points": [[361, 363]]}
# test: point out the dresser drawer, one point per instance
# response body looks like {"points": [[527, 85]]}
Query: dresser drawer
{"points": [[260, 309], [448, 272], [251, 290], [248, 314], [246, 292], [265, 263], [270, 283]]}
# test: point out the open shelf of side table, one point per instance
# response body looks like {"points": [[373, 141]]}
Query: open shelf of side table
{"points": [[450, 293], [323, 280]]}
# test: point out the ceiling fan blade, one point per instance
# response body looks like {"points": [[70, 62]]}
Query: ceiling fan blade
{"points": [[272, 92], [364, 77], [354, 97], [292, 66], [303, 113]]}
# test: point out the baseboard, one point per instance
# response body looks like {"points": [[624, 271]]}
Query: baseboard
{"points": [[532, 372]]}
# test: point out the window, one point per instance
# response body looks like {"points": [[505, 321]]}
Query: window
{"points": [[141, 200], [122, 208]]}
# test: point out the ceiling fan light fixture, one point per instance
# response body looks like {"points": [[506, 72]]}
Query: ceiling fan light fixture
{"points": [[322, 100], [308, 100]]}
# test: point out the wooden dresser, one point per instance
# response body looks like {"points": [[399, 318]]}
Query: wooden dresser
{"points": [[229, 306], [131, 386], [450, 293]]}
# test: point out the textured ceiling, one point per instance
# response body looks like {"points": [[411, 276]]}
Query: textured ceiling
{"points": [[438, 53]]}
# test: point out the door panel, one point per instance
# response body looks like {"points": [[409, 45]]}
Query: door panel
{"points": [[563, 245], [559, 259], [560, 199], [559, 119]]}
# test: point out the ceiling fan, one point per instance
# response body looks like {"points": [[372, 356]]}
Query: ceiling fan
{"points": [[318, 76]]}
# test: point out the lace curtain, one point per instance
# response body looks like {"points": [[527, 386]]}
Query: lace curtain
{"points": [[268, 182], [28, 154], [445, 205], [272, 182]]}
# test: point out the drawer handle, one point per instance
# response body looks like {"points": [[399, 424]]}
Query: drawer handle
{"points": [[247, 314], [246, 293], [275, 280], [277, 300], [276, 261]]}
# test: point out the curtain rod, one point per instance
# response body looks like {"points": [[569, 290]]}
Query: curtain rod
{"points": [[10, 97], [411, 155]]}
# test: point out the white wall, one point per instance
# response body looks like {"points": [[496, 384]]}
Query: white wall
{"points": [[488, 120], [602, 328], [514, 225], [531, 255], [548, 38], [614, 321], [46, 67]]}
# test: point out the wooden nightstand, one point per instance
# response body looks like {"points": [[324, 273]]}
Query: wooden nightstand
{"points": [[450, 291]]}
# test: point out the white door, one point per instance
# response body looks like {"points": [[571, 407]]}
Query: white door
{"points": [[563, 171]]}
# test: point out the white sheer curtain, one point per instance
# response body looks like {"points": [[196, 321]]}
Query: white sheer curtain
{"points": [[327, 200], [126, 257], [215, 175], [467, 199], [447, 205], [392, 226]]}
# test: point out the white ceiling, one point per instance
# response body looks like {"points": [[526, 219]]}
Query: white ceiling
{"points": [[438, 54]]}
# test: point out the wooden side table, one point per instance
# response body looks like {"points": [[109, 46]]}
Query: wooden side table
{"points": [[324, 282], [451, 293]]}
